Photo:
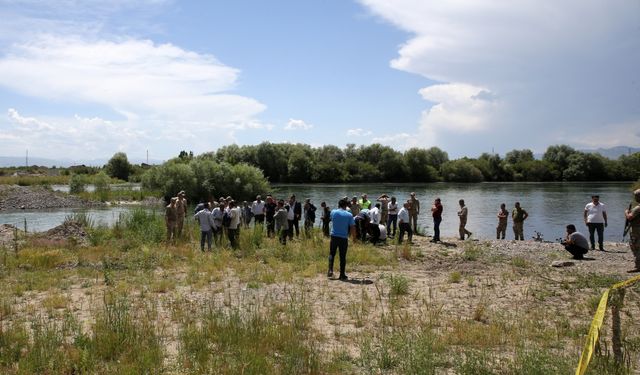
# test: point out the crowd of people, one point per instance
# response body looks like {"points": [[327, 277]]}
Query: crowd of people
{"points": [[369, 221]]}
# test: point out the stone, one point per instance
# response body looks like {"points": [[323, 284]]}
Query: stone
{"points": [[562, 263]]}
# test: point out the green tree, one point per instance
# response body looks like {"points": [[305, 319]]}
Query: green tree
{"points": [[119, 167], [461, 170], [419, 167]]}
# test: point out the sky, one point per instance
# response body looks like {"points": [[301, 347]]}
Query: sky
{"points": [[86, 79]]}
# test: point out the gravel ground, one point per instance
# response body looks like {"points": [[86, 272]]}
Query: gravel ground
{"points": [[14, 197]]}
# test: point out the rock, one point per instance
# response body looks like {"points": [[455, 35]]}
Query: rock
{"points": [[562, 263]]}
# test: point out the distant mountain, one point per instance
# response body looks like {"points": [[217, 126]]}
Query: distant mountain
{"points": [[11, 161], [613, 152]]}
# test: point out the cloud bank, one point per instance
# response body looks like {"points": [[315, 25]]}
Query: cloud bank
{"points": [[523, 73], [157, 92]]}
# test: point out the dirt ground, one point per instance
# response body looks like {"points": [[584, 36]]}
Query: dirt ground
{"points": [[454, 285]]}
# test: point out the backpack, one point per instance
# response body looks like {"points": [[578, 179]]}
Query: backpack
{"points": [[226, 219]]}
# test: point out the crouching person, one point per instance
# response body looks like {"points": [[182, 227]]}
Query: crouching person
{"points": [[575, 242]]}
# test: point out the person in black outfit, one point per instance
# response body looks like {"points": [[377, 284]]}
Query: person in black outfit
{"points": [[270, 210], [297, 214]]}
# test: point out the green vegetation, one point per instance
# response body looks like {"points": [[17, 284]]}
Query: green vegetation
{"points": [[202, 177], [301, 163], [130, 303]]}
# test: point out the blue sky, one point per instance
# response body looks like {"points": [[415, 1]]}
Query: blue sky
{"points": [[85, 79]]}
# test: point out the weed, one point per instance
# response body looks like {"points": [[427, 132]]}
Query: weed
{"points": [[398, 286], [455, 277]]}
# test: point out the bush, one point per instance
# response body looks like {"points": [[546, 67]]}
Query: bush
{"points": [[204, 178], [77, 184], [101, 182]]}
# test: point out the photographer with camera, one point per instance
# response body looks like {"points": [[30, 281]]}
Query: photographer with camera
{"points": [[575, 242]]}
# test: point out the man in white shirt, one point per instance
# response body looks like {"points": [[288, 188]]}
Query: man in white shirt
{"points": [[393, 216], [404, 223], [234, 226], [595, 217], [374, 229], [206, 225], [257, 208]]}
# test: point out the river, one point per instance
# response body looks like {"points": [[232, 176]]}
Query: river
{"points": [[550, 205]]}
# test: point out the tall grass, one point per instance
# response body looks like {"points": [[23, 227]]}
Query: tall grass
{"points": [[271, 340]]}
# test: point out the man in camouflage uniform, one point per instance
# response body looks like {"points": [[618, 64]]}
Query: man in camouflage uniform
{"points": [[181, 208], [633, 216], [414, 211], [170, 219]]}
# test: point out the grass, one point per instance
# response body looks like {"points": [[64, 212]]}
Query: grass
{"points": [[131, 303]]}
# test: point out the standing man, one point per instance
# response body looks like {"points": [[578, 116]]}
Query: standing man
{"points": [[403, 220], [436, 212], [325, 218], [503, 216], [595, 218], [269, 212], [384, 208], [414, 211], [343, 225], [281, 222], [295, 213], [354, 207], [181, 212], [234, 225], [206, 225], [519, 215], [575, 242], [364, 202], [463, 214], [309, 216], [170, 218], [217, 213], [257, 208], [393, 217], [633, 218]]}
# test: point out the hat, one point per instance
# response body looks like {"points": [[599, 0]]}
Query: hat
{"points": [[181, 192], [413, 194]]}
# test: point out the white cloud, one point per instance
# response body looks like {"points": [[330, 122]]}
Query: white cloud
{"points": [[398, 141], [294, 124], [519, 69], [160, 90], [359, 132]]}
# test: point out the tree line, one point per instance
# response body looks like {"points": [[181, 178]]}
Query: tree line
{"points": [[301, 163]]}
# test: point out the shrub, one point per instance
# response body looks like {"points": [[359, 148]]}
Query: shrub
{"points": [[77, 184]]}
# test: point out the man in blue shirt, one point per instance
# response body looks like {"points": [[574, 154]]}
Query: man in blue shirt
{"points": [[343, 225]]}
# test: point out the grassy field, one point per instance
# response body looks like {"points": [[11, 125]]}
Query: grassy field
{"points": [[131, 304]]}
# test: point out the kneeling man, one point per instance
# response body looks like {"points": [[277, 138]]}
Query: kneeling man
{"points": [[575, 242]]}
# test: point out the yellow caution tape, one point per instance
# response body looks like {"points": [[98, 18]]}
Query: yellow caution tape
{"points": [[596, 324]]}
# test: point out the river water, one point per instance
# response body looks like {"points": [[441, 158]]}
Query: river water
{"points": [[551, 206]]}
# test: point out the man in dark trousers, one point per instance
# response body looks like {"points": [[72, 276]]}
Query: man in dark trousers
{"points": [[575, 242], [343, 225], [297, 214]]}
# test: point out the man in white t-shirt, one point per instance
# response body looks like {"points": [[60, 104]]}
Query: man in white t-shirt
{"points": [[234, 226], [257, 208], [595, 217]]}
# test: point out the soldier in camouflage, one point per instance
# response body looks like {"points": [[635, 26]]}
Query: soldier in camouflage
{"points": [[633, 216]]}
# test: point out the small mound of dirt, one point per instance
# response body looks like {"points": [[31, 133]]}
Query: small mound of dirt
{"points": [[69, 231]]}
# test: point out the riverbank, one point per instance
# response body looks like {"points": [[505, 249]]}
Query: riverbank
{"points": [[14, 197], [456, 307]]}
